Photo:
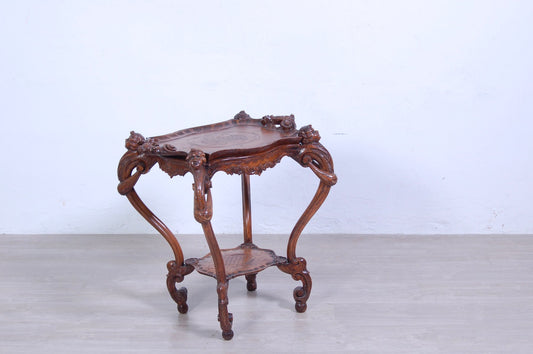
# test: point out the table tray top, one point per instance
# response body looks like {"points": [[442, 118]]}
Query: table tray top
{"points": [[239, 136]]}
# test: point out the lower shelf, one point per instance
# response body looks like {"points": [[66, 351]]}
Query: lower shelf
{"points": [[242, 260]]}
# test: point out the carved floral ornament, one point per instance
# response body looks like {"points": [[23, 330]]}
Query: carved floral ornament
{"points": [[196, 159], [137, 142], [308, 134], [242, 115], [286, 123]]}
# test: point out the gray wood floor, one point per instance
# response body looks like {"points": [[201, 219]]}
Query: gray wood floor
{"points": [[371, 294]]}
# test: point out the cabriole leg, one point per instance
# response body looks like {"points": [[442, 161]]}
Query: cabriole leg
{"points": [[130, 168], [203, 211], [225, 318], [318, 159]]}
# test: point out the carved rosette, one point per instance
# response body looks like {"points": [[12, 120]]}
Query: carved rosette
{"points": [[309, 135], [137, 142], [134, 141], [242, 115], [286, 123]]}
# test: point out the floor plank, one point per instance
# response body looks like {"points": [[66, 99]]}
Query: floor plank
{"points": [[371, 294]]}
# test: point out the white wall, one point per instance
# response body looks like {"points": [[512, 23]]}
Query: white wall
{"points": [[425, 106]]}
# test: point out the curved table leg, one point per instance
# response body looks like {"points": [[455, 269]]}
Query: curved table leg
{"points": [[316, 157], [176, 268], [203, 211]]}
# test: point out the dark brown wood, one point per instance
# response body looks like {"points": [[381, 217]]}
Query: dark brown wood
{"points": [[246, 209], [244, 146], [251, 283], [242, 260]]}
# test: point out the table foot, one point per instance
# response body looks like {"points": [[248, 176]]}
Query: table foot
{"points": [[297, 269], [300, 295], [182, 302], [227, 335], [251, 284], [225, 318], [175, 275]]}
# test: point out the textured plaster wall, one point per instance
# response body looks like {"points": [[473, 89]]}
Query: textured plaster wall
{"points": [[426, 107]]}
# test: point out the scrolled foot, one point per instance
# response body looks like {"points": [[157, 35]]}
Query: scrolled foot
{"points": [[175, 275], [300, 296], [297, 269]]}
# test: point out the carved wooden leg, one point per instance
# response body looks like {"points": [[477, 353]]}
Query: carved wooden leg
{"points": [[318, 159], [131, 161], [225, 318], [203, 211]]}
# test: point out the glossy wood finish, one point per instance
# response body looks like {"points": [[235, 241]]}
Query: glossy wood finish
{"points": [[242, 260], [242, 146]]}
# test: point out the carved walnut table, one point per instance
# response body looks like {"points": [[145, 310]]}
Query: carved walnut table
{"points": [[243, 146]]}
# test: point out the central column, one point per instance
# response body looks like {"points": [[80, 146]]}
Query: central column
{"points": [[246, 209], [251, 283]]}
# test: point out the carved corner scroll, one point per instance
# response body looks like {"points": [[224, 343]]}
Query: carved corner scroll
{"points": [[149, 149], [131, 161], [315, 156]]}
